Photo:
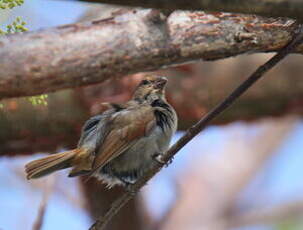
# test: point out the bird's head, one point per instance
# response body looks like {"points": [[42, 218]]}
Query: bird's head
{"points": [[151, 88]]}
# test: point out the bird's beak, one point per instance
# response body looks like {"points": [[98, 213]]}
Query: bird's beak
{"points": [[160, 83]]}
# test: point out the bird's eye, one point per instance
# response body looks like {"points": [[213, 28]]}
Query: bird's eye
{"points": [[144, 82]]}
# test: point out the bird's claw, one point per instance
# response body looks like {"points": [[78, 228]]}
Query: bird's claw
{"points": [[158, 158], [169, 161], [130, 189]]}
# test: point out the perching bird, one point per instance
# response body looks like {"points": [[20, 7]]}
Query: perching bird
{"points": [[123, 142]]}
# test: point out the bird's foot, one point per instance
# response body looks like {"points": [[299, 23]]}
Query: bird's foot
{"points": [[158, 157], [130, 188]]}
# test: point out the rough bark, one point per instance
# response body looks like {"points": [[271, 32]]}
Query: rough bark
{"points": [[269, 8], [140, 40]]}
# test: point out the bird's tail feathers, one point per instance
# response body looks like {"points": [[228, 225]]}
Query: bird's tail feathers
{"points": [[46, 165]]}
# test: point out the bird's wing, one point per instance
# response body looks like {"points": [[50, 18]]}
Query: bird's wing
{"points": [[126, 128], [88, 128], [96, 127]]}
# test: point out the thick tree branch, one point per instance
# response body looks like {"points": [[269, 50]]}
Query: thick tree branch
{"points": [[26, 129], [269, 8], [141, 40], [197, 128]]}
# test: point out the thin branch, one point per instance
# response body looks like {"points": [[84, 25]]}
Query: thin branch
{"points": [[101, 223], [269, 8], [38, 224], [140, 40]]}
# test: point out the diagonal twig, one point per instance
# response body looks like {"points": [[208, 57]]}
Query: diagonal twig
{"points": [[38, 224], [102, 221]]}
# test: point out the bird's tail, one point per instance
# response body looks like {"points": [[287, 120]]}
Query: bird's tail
{"points": [[46, 165]]}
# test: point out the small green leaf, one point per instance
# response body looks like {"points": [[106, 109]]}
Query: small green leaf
{"points": [[9, 4], [38, 100], [17, 26]]}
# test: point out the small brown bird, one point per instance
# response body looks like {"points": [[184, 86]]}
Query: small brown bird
{"points": [[122, 143]]}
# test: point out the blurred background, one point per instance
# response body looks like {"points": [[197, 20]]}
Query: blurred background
{"points": [[243, 172]]}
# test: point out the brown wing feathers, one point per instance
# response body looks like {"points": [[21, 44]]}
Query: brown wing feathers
{"points": [[127, 128]]}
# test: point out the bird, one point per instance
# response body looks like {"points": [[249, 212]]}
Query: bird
{"points": [[123, 142]]}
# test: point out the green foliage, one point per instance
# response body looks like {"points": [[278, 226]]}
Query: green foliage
{"points": [[18, 26], [39, 100], [9, 4]]}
